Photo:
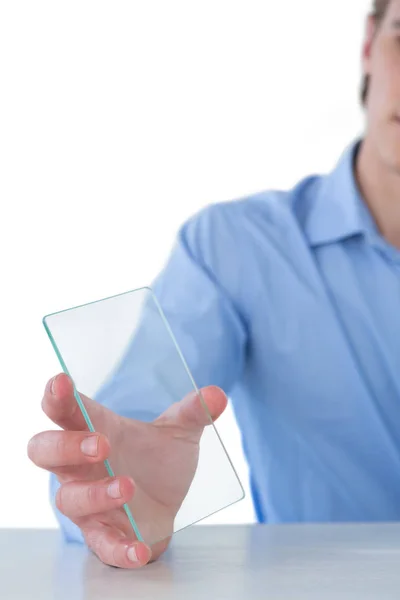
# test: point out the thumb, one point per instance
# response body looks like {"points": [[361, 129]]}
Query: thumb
{"points": [[196, 410]]}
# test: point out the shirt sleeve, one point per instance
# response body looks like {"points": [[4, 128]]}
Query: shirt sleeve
{"points": [[204, 320]]}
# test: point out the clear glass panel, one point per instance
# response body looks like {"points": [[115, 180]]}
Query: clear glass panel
{"points": [[121, 354]]}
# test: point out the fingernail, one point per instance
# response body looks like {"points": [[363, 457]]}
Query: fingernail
{"points": [[132, 554], [114, 489], [89, 445], [50, 386]]}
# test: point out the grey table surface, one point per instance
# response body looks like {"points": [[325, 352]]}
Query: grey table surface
{"points": [[214, 562]]}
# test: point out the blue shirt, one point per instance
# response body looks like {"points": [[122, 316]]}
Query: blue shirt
{"points": [[289, 301]]}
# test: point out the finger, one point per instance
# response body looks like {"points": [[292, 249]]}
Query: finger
{"points": [[196, 410], [116, 550], [60, 404], [53, 449], [78, 499]]}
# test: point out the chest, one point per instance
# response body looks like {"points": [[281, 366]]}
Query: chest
{"points": [[326, 344]]}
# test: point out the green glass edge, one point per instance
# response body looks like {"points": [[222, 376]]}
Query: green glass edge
{"points": [[89, 423]]}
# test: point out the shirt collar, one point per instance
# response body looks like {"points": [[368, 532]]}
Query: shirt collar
{"points": [[338, 210]]}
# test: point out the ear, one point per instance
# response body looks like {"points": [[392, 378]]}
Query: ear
{"points": [[370, 31]]}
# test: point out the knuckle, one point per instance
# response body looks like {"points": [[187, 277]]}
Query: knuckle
{"points": [[109, 551], [92, 497], [77, 499], [64, 448], [62, 445], [100, 546]]}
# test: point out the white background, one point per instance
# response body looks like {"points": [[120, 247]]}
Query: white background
{"points": [[120, 119]]}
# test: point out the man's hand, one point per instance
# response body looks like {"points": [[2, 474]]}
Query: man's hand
{"points": [[154, 462]]}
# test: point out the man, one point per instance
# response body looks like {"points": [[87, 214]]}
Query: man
{"points": [[292, 300]]}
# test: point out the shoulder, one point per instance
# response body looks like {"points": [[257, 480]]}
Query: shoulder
{"points": [[272, 214]]}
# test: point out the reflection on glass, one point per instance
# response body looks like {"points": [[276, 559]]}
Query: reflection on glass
{"points": [[129, 375]]}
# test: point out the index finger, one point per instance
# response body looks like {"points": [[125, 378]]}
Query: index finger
{"points": [[60, 404]]}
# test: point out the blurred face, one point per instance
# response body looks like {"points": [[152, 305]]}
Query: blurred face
{"points": [[381, 61]]}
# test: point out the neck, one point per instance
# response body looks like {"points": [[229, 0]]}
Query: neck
{"points": [[380, 187]]}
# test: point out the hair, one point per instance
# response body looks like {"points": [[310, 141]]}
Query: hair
{"points": [[379, 9]]}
